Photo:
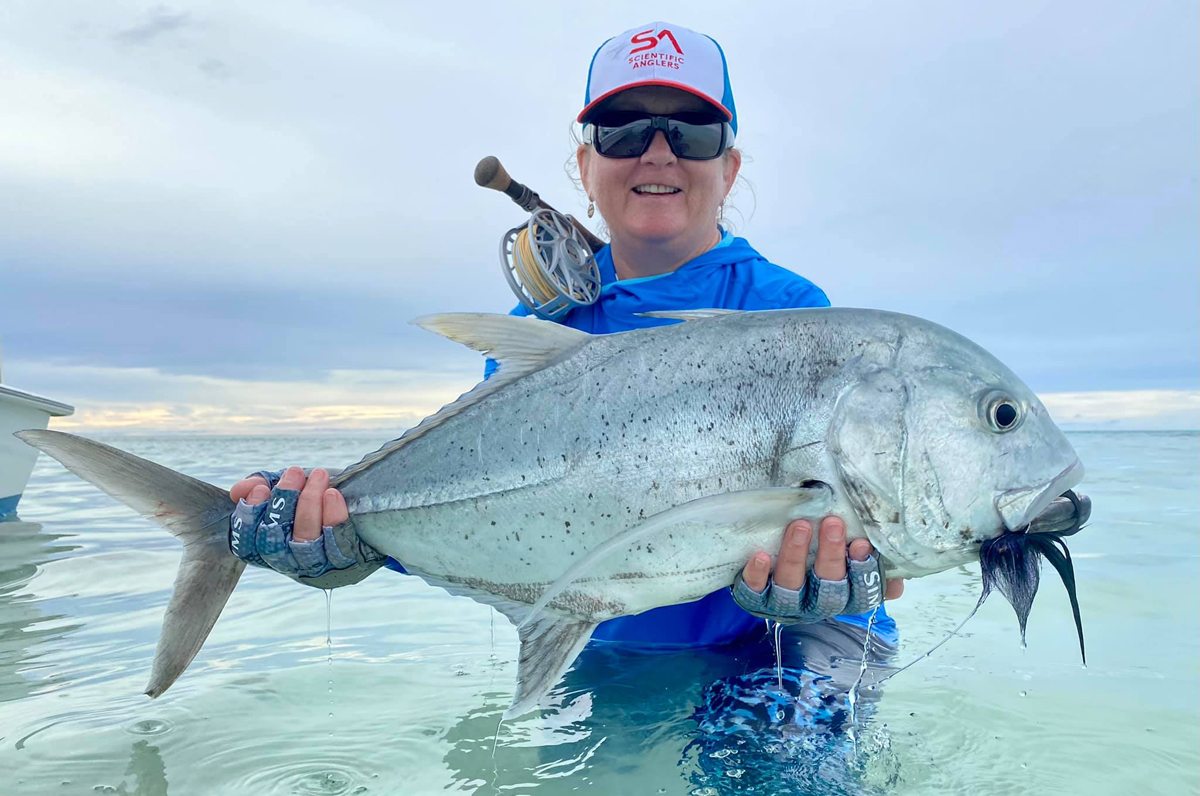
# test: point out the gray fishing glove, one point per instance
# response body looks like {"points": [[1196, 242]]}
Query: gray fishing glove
{"points": [[262, 535], [859, 592]]}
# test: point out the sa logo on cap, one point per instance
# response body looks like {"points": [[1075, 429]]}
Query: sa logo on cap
{"points": [[650, 42]]}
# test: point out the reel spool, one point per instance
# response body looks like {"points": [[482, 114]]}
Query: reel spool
{"points": [[549, 265]]}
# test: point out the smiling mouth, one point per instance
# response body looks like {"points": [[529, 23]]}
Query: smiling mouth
{"points": [[656, 190]]}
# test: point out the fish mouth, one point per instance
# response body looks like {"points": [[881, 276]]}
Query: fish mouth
{"points": [[1064, 515], [1019, 507]]}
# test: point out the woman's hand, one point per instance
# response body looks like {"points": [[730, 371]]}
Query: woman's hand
{"points": [[847, 578], [299, 527], [318, 505]]}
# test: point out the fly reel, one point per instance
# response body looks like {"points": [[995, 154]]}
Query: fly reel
{"points": [[549, 265]]}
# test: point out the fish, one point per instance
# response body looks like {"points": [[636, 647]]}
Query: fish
{"points": [[598, 476]]}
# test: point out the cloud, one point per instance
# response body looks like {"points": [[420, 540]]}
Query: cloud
{"points": [[1129, 410], [269, 191], [157, 22], [343, 400], [394, 399]]}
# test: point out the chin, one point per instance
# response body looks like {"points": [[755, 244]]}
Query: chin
{"points": [[655, 229]]}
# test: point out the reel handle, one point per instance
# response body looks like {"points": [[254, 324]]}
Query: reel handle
{"points": [[490, 173]]}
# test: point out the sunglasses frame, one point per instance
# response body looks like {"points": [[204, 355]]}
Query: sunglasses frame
{"points": [[663, 124]]}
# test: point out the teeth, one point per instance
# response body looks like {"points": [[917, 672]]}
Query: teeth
{"points": [[655, 189]]}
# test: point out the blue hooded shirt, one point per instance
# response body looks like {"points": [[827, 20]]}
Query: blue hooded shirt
{"points": [[731, 275]]}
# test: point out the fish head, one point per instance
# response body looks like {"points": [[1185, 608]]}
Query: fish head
{"points": [[944, 449], [948, 457]]}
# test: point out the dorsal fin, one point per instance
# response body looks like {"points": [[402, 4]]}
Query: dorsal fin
{"points": [[520, 345], [689, 315], [516, 343]]}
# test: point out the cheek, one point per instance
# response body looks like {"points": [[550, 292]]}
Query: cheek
{"points": [[608, 180]]}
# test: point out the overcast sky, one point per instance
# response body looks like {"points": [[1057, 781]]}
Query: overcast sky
{"points": [[221, 216]]}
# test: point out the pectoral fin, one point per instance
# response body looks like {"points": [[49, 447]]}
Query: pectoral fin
{"points": [[774, 506]]}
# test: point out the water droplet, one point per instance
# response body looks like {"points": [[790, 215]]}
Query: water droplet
{"points": [[149, 727], [324, 783], [735, 773]]}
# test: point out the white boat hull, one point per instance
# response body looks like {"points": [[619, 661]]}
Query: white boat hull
{"points": [[20, 411]]}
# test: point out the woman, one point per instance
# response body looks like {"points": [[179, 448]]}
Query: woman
{"points": [[657, 161]]}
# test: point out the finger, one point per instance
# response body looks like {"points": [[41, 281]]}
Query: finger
{"points": [[242, 488], [258, 494], [309, 507], [292, 479], [831, 550], [895, 588], [335, 511], [757, 570], [861, 549], [792, 564]]}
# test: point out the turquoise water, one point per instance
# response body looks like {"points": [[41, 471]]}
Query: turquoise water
{"points": [[405, 693]]}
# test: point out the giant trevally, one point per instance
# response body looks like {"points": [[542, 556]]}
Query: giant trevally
{"points": [[598, 476]]}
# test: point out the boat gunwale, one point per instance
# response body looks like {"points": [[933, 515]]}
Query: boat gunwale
{"points": [[50, 407]]}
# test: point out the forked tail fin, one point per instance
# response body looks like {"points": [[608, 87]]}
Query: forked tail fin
{"points": [[196, 512]]}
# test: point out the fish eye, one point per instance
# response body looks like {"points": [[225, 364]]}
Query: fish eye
{"points": [[1002, 412]]}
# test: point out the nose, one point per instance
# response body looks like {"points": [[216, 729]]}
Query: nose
{"points": [[659, 152]]}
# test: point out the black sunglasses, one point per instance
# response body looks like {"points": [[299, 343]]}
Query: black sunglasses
{"points": [[691, 136]]}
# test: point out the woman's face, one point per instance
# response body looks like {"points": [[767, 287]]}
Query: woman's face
{"points": [[685, 219]]}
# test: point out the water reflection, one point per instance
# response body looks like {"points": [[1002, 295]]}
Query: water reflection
{"points": [[27, 630], [147, 770], [714, 721]]}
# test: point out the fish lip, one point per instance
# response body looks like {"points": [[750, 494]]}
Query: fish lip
{"points": [[1018, 507], [1064, 515]]}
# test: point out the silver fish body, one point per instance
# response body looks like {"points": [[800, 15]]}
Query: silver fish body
{"points": [[882, 408], [600, 476]]}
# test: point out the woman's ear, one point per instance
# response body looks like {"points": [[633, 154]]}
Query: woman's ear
{"points": [[583, 161], [732, 163]]}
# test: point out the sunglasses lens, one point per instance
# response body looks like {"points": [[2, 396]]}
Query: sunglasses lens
{"points": [[627, 136], [696, 141], [624, 141]]}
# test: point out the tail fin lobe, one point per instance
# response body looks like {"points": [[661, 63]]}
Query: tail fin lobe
{"points": [[194, 511]]}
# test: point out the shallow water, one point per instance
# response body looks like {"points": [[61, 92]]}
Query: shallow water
{"points": [[406, 697]]}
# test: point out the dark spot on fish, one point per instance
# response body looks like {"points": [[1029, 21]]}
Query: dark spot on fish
{"points": [[493, 522]]}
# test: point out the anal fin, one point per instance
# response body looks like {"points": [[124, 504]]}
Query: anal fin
{"points": [[549, 645]]}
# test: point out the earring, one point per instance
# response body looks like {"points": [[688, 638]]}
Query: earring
{"points": [[591, 211]]}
